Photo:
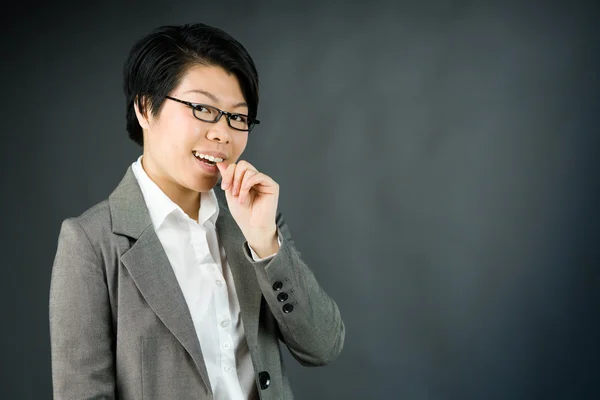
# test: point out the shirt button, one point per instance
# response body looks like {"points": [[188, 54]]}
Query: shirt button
{"points": [[226, 345], [211, 268], [228, 368], [219, 283], [225, 323]]}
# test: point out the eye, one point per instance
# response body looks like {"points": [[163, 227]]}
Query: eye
{"points": [[201, 108], [238, 118]]}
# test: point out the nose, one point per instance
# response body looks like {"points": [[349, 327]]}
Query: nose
{"points": [[219, 131]]}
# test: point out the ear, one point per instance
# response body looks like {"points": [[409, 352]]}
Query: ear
{"points": [[142, 115]]}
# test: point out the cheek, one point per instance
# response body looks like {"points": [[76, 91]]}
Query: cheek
{"points": [[239, 145], [177, 136]]}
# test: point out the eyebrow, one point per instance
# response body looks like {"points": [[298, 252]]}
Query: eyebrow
{"points": [[214, 98]]}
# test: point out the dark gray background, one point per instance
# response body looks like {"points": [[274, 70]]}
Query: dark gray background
{"points": [[438, 169]]}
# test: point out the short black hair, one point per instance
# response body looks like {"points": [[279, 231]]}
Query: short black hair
{"points": [[158, 61]]}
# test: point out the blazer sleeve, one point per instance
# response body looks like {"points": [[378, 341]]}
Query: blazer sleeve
{"points": [[80, 320], [309, 320]]}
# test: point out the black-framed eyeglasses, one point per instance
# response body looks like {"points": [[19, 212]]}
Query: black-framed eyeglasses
{"points": [[206, 113]]}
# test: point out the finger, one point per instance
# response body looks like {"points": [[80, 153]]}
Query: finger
{"points": [[222, 167], [261, 183], [244, 187], [240, 170], [227, 172]]}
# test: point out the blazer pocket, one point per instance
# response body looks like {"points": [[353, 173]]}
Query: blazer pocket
{"points": [[168, 371]]}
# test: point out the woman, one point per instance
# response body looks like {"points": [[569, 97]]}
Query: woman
{"points": [[176, 287]]}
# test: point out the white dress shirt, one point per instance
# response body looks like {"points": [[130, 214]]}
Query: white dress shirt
{"points": [[202, 271]]}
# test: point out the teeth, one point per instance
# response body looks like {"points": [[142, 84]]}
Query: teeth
{"points": [[208, 157]]}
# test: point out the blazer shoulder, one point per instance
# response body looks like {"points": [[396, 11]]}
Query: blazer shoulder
{"points": [[97, 214], [96, 222]]}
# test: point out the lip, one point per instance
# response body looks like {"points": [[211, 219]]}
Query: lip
{"points": [[211, 169], [211, 153]]}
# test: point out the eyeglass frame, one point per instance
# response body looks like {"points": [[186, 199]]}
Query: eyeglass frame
{"points": [[194, 107]]}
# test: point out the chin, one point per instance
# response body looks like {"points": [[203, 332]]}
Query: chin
{"points": [[205, 185]]}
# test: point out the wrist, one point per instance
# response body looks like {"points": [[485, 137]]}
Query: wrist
{"points": [[264, 243]]}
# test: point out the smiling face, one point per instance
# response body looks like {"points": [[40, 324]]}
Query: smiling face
{"points": [[174, 137]]}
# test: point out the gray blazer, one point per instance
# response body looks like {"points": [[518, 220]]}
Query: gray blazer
{"points": [[120, 326]]}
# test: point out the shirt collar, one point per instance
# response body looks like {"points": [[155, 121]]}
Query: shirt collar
{"points": [[209, 207], [160, 205]]}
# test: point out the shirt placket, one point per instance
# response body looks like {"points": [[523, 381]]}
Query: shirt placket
{"points": [[212, 270]]}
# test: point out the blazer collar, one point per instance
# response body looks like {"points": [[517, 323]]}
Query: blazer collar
{"points": [[130, 216]]}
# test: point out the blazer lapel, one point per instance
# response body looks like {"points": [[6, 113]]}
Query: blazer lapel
{"points": [[150, 269], [244, 277]]}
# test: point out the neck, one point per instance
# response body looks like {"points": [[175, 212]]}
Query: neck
{"points": [[188, 200], [189, 204]]}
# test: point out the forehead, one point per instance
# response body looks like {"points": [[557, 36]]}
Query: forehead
{"points": [[223, 85]]}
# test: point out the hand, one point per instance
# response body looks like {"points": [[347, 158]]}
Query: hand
{"points": [[252, 199]]}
